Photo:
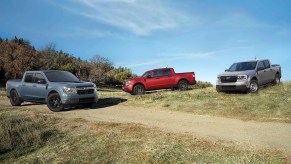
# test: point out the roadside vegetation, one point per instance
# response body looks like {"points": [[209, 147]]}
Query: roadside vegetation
{"points": [[17, 55], [31, 137], [272, 103]]}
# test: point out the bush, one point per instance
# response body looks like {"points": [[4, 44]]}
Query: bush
{"points": [[202, 84]]}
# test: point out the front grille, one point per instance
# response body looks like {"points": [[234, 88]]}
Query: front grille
{"points": [[228, 88], [84, 100], [87, 91], [85, 86], [228, 79]]}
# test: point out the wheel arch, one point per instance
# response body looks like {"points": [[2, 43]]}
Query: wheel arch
{"points": [[181, 80], [51, 92], [13, 89], [140, 84]]}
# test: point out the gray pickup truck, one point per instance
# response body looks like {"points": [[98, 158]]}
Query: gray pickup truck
{"points": [[57, 89], [248, 76]]}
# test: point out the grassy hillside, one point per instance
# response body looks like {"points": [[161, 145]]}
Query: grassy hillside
{"points": [[272, 103], [30, 137]]}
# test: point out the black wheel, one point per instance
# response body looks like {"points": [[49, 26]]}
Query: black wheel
{"points": [[14, 98], [54, 102], [277, 79], [138, 89], [183, 85], [254, 86]]}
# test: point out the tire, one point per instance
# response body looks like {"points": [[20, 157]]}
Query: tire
{"points": [[254, 86], [183, 85], [54, 102], [138, 89], [276, 80], [14, 98]]}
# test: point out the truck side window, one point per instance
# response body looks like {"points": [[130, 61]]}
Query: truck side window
{"points": [[261, 64], [157, 73], [267, 63], [166, 72], [28, 78], [39, 78]]}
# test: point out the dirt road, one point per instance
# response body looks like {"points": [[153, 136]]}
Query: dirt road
{"points": [[258, 134]]}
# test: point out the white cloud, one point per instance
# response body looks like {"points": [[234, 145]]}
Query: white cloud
{"points": [[141, 17], [164, 58]]}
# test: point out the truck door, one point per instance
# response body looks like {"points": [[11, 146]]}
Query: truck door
{"points": [[167, 79], [154, 81], [39, 88], [262, 73], [26, 87], [270, 73]]}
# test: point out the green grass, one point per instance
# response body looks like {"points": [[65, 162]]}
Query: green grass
{"points": [[2, 92], [272, 103], [22, 134], [79, 141]]}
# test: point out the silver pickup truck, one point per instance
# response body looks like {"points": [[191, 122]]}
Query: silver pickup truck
{"points": [[57, 89], [248, 76]]}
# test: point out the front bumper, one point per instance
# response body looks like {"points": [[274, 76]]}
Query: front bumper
{"points": [[127, 88], [235, 86], [79, 99]]}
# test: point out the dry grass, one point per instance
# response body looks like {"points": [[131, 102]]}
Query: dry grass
{"points": [[79, 141], [272, 103]]}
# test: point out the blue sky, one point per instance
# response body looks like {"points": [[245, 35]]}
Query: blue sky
{"points": [[205, 36]]}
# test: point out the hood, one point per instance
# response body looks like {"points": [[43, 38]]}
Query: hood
{"points": [[76, 84], [235, 73]]}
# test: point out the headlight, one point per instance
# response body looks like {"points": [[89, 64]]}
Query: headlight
{"points": [[242, 77], [69, 90], [218, 77], [127, 83]]}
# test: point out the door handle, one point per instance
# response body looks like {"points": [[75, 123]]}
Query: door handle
{"points": [[157, 78], [34, 85]]}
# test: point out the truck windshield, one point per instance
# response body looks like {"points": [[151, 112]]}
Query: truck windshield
{"points": [[243, 66], [61, 76]]}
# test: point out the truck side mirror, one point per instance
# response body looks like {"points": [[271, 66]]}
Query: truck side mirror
{"points": [[41, 81], [149, 76], [226, 70]]}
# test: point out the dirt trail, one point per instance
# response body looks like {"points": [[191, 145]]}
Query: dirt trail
{"points": [[262, 134]]}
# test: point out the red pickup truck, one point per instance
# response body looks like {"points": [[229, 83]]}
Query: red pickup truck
{"points": [[162, 78]]}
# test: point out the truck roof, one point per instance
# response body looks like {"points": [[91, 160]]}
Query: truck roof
{"points": [[160, 69], [45, 71], [251, 60]]}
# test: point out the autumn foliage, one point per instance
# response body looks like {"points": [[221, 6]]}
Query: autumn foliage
{"points": [[18, 56]]}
